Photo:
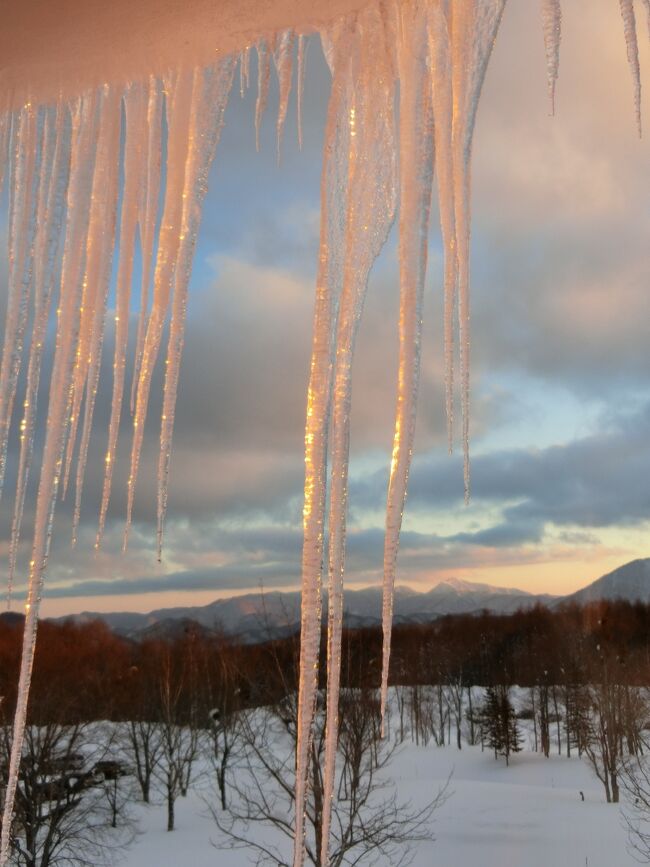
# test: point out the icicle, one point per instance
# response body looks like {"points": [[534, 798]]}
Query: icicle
{"points": [[147, 217], [263, 75], [629, 28], [334, 188], [99, 245], [187, 98], [283, 60], [178, 88], [5, 137], [416, 179], [371, 202], [99, 259], [209, 97], [135, 106], [24, 154], [442, 98], [49, 222], [244, 70], [78, 200], [303, 44], [474, 25], [90, 288], [552, 27]]}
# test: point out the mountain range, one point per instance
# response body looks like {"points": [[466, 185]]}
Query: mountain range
{"points": [[253, 617]]}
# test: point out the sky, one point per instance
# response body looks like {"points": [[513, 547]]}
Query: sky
{"points": [[560, 356]]}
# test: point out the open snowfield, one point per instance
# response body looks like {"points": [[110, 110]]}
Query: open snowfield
{"points": [[527, 815]]}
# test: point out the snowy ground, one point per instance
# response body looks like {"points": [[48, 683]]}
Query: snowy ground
{"points": [[527, 815]]}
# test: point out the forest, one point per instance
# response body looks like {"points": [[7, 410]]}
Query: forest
{"points": [[93, 673], [114, 722]]}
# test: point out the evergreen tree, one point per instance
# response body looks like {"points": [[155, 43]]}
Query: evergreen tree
{"points": [[499, 722]]}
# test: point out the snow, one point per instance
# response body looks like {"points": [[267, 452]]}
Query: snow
{"points": [[529, 813]]}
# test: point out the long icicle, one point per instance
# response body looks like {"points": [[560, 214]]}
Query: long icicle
{"points": [[552, 28], [178, 89], [371, 201], [22, 205], [135, 109], [474, 25], [78, 201], [104, 210], [147, 216], [631, 43], [263, 76], [244, 70], [209, 98], [51, 207], [94, 284], [303, 44], [442, 99], [283, 61], [416, 180], [5, 138], [334, 190]]}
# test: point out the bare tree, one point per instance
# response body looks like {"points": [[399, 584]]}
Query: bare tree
{"points": [[224, 733], [61, 812], [143, 744], [604, 742], [427, 721], [454, 694], [635, 779], [118, 786], [180, 735], [368, 821], [542, 721], [140, 734], [224, 716]]}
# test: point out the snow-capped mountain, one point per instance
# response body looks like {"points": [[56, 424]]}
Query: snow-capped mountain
{"points": [[631, 582], [255, 616]]}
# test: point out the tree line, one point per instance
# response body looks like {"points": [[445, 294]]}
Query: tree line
{"points": [[168, 706], [96, 674]]}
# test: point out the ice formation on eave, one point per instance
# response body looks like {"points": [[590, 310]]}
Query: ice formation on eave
{"points": [[71, 194]]}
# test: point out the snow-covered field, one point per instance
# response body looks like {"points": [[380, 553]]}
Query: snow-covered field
{"points": [[527, 815]]}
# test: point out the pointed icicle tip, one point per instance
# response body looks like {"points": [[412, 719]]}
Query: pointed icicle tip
{"points": [[631, 43], [552, 27]]}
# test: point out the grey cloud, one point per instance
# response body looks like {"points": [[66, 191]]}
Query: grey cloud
{"points": [[595, 481], [506, 535], [560, 265], [222, 578]]}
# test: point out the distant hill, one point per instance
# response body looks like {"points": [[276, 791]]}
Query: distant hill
{"points": [[255, 617], [630, 582], [12, 618]]}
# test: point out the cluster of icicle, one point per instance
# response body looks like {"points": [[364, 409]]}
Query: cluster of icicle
{"points": [[70, 215]]}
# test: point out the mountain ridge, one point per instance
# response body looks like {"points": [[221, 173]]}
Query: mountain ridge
{"points": [[252, 617]]}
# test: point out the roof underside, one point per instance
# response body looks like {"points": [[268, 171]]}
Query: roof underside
{"points": [[49, 47]]}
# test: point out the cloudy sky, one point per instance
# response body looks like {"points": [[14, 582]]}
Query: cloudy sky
{"points": [[560, 359]]}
